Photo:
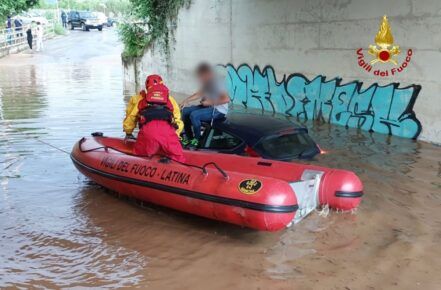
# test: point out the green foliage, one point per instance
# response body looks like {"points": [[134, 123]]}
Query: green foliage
{"points": [[49, 14], [13, 7], [58, 29], [134, 38], [156, 15], [117, 7]]}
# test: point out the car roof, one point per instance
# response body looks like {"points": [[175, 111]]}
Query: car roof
{"points": [[253, 127]]}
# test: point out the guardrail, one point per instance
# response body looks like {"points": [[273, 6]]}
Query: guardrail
{"points": [[12, 37]]}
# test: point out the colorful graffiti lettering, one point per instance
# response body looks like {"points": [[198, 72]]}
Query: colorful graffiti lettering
{"points": [[385, 109]]}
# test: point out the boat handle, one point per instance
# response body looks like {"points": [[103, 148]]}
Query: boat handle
{"points": [[224, 174]]}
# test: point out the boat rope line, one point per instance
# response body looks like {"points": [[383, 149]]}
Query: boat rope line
{"points": [[50, 145], [165, 158], [203, 167], [189, 193], [36, 138]]}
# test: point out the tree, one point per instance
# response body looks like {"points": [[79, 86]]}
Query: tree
{"points": [[13, 7], [117, 7]]}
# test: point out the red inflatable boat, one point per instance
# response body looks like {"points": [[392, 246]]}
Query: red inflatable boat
{"points": [[250, 192]]}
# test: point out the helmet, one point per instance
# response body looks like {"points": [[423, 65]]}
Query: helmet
{"points": [[152, 80]]}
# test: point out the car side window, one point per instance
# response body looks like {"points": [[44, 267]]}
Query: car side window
{"points": [[218, 139]]}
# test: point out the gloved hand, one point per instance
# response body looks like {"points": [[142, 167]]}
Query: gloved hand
{"points": [[129, 137]]}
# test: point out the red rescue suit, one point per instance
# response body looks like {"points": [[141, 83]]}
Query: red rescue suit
{"points": [[157, 134]]}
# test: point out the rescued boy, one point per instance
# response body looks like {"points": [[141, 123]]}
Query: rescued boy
{"points": [[214, 102]]}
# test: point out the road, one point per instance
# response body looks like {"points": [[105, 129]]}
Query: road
{"points": [[77, 46]]}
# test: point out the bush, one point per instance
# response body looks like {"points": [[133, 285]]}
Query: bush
{"points": [[157, 15], [58, 29], [50, 14], [134, 37]]}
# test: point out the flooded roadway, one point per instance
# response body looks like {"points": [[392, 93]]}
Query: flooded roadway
{"points": [[57, 229]]}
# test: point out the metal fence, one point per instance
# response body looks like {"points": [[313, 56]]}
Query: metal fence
{"points": [[14, 37]]}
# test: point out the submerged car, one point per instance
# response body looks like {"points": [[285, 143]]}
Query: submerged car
{"points": [[259, 136]]}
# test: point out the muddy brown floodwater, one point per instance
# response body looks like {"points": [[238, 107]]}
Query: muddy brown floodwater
{"points": [[57, 229]]}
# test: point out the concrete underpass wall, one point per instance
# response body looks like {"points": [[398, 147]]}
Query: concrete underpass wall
{"points": [[306, 53]]}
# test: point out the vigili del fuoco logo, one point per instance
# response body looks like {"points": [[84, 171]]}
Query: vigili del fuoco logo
{"points": [[250, 186], [384, 51]]}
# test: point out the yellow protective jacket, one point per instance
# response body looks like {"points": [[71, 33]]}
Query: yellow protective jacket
{"points": [[132, 111]]}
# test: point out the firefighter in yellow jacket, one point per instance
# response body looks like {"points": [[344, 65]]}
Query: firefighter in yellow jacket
{"points": [[132, 111]]}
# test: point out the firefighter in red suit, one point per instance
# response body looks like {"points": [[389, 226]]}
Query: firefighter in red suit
{"points": [[157, 134]]}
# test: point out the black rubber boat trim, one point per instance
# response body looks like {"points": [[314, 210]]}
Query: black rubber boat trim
{"points": [[192, 194], [349, 194]]}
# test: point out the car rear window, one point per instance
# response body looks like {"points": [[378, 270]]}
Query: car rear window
{"points": [[286, 146], [218, 139], [86, 14]]}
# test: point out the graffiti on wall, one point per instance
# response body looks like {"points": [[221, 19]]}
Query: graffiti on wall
{"points": [[385, 109]]}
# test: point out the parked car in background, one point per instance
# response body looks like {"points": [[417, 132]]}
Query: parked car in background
{"points": [[29, 17], [111, 21], [85, 20], [101, 17], [259, 136]]}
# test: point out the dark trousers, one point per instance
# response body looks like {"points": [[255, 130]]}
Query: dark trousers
{"points": [[30, 41], [194, 116]]}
